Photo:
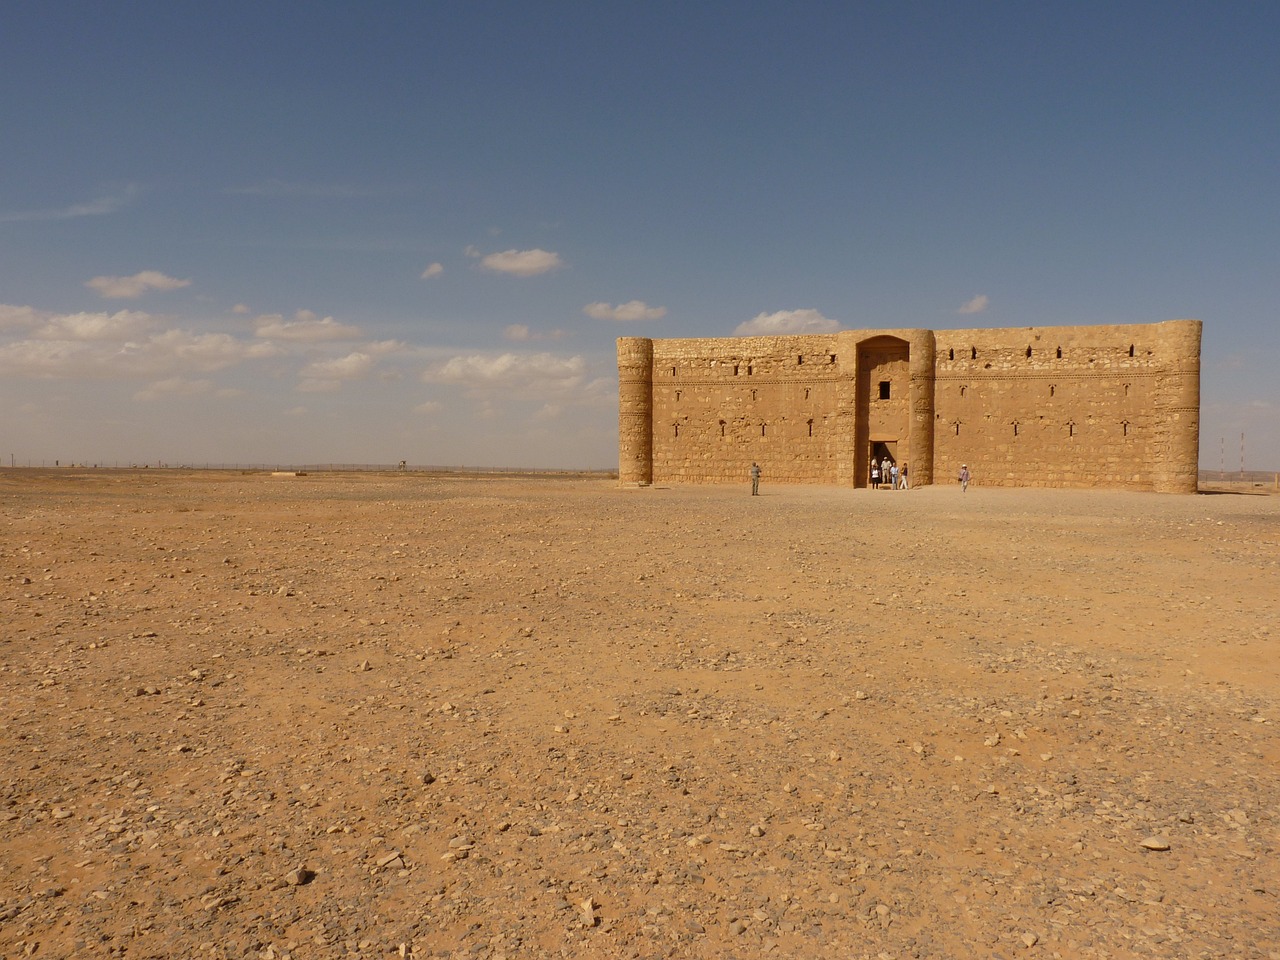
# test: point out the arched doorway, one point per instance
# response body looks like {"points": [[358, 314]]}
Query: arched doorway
{"points": [[882, 427]]}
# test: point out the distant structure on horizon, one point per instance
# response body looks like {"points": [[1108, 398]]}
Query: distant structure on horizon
{"points": [[1104, 406]]}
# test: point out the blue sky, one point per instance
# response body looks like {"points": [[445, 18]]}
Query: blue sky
{"points": [[330, 232]]}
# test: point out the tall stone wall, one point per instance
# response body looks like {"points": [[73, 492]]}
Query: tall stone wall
{"points": [[1114, 406]]}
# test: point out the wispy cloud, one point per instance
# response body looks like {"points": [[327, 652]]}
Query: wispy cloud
{"points": [[119, 326], [354, 366], [129, 288], [323, 191], [158, 355], [521, 333], [173, 387], [627, 312], [508, 369], [100, 206], [519, 263], [305, 327], [433, 270], [786, 322], [976, 305]]}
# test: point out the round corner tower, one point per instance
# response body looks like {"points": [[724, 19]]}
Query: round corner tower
{"points": [[1178, 403], [635, 411]]}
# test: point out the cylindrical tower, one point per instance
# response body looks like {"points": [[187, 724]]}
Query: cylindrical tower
{"points": [[1178, 406], [635, 410], [923, 347]]}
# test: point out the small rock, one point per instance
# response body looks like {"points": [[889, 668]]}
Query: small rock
{"points": [[1155, 843]]}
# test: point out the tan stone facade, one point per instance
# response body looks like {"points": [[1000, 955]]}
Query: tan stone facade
{"points": [[1113, 406]]}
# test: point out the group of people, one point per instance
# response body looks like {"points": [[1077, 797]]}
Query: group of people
{"points": [[886, 472]]}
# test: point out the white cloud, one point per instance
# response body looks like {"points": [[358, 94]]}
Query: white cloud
{"points": [[325, 191], [318, 386], [20, 318], [433, 270], [428, 407], [174, 387], [353, 366], [158, 355], [240, 309], [976, 305], [384, 348], [93, 208], [198, 351], [624, 312], [520, 263], [520, 333], [118, 326], [785, 322], [305, 327], [128, 288], [510, 369]]}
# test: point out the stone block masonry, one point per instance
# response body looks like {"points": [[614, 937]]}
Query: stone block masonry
{"points": [[1111, 406]]}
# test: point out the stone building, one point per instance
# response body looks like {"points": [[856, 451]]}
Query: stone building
{"points": [[1107, 406]]}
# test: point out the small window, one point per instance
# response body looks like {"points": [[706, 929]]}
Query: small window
{"points": [[676, 428], [735, 369], [750, 369], [832, 358], [973, 353], [799, 359], [811, 427], [722, 428], [1015, 428], [673, 371], [1071, 428], [1131, 349], [806, 393], [963, 389], [762, 429], [1059, 353], [951, 354], [957, 426], [884, 389], [753, 394], [1124, 426], [1126, 389], [677, 394], [1028, 351], [1052, 389]]}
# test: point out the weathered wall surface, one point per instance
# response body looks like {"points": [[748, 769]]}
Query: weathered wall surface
{"points": [[1114, 406]]}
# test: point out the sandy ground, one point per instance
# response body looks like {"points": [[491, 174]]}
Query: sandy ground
{"points": [[404, 715]]}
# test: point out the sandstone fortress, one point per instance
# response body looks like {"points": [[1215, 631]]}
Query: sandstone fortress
{"points": [[1111, 406]]}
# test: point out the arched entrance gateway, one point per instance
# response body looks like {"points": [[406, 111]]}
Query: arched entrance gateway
{"points": [[882, 413], [893, 404]]}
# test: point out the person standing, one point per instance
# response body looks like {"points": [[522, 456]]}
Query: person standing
{"points": [[893, 477], [755, 479], [884, 470], [875, 475], [902, 476], [964, 477]]}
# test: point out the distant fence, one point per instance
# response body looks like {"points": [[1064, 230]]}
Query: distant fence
{"points": [[1239, 478], [317, 468]]}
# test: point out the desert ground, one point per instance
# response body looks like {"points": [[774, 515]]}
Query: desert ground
{"points": [[409, 715]]}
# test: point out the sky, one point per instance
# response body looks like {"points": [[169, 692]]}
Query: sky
{"points": [[242, 233]]}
